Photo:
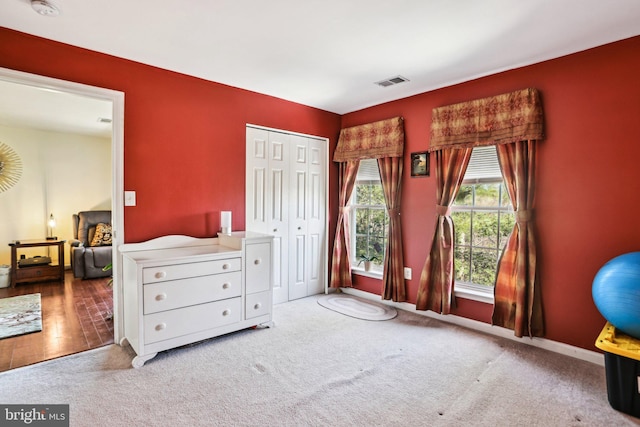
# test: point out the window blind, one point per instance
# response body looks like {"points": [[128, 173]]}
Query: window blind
{"points": [[483, 165]]}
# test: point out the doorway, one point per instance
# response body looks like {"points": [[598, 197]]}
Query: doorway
{"points": [[115, 102]]}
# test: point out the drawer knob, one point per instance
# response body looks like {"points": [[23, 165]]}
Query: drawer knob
{"points": [[226, 312], [257, 306], [258, 261], [161, 274], [275, 230], [161, 326], [161, 297], [225, 286], [225, 266]]}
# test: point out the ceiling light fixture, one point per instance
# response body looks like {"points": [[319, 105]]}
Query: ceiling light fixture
{"points": [[45, 7]]}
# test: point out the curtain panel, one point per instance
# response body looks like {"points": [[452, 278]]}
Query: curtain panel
{"points": [[517, 300], [340, 260], [435, 291], [501, 119], [384, 138], [393, 280]]}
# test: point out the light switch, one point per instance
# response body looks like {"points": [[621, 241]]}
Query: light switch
{"points": [[407, 273], [129, 198]]}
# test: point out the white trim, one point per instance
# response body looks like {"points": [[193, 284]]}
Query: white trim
{"points": [[555, 346], [169, 242], [361, 272], [288, 132], [117, 164], [473, 292]]}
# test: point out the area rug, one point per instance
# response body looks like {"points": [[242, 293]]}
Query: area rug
{"points": [[20, 315], [357, 307]]}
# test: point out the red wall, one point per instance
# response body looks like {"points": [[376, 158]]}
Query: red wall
{"points": [[184, 138], [184, 156], [588, 182]]}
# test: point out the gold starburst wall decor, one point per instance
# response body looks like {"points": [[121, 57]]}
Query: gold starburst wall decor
{"points": [[10, 167]]}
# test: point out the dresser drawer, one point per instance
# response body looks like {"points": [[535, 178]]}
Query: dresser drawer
{"points": [[175, 323], [163, 296], [183, 271], [258, 304]]}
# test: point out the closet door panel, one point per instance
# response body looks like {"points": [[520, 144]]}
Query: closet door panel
{"points": [[316, 221], [278, 212], [256, 174], [298, 278]]}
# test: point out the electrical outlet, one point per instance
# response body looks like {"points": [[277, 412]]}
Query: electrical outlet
{"points": [[407, 273]]}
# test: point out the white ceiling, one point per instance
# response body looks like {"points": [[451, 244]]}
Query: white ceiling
{"points": [[328, 54]]}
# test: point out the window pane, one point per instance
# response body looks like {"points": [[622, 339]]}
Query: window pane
{"points": [[506, 201], [377, 195], [377, 224], [462, 224], [369, 216], [461, 258], [376, 249], [361, 247], [485, 229], [362, 220], [483, 266], [464, 196], [507, 221], [487, 195], [363, 193]]}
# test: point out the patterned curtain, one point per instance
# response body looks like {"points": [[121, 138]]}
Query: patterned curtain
{"points": [[393, 286], [340, 260], [384, 138], [510, 117], [380, 140], [518, 303], [435, 291]]}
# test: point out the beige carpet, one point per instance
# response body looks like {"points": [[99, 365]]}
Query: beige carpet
{"points": [[317, 367]]}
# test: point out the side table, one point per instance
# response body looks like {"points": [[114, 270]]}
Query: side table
{"points": [[38, 273]]}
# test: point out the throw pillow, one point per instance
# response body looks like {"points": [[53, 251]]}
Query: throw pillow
{"points": [[102, 237]]}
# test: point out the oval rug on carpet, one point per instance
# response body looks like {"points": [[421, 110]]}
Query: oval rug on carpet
{"points": [[357, 307]]}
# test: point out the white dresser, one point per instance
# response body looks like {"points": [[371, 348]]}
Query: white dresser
{"points": [[179, 289]]}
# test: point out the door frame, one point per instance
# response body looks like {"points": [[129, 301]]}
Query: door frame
{"points": [[117, 165], [325, 252]]}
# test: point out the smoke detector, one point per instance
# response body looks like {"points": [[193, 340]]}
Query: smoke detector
{"points": [[46, 7]]}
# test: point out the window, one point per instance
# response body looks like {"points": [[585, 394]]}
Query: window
{"points": [[369, 218], [483, 218]]}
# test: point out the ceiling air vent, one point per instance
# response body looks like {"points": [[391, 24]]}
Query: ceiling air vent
{"points": [[392, 81]]}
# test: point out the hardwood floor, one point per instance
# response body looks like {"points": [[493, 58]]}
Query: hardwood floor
{"points": [[76, 316]]}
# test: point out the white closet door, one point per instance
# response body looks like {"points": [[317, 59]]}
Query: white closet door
{"points": [[298, 215], [316, 218], [286, 197], [257, 167], [267, 198]]}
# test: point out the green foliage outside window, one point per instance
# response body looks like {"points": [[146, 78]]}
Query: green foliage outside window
{"points": [[483, 220], [371, 222]]}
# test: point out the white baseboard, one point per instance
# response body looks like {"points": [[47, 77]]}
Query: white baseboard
{"points": [[555, 346]]}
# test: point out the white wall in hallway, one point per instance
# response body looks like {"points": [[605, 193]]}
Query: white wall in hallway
{"points": [[62, 174]]}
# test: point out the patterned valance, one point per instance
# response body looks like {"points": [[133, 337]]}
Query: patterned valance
{"points": [[501, 119], [371, 141]]}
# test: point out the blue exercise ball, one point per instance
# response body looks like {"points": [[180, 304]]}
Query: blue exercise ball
{"points": [[616, 293]]}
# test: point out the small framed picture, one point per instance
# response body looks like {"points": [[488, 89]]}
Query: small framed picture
{"points": [[420, 164]]}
